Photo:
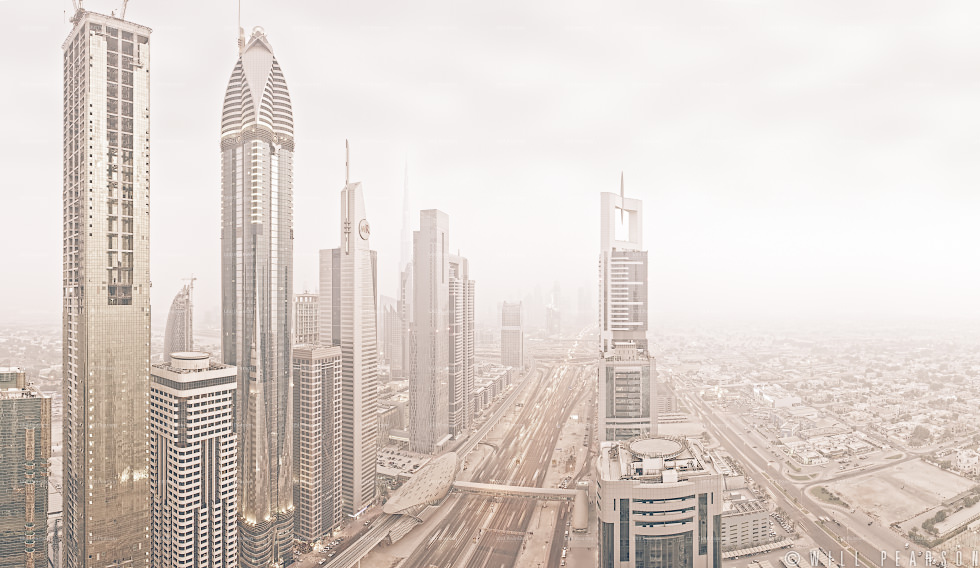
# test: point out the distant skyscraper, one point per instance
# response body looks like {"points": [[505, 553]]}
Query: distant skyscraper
{"points": [[627, 372], [25, 444], [257, 288], [429, 388], [305, 319], [406, 296], [180, 324], [511, 336], [348, 318], [461, 345], [392, 330], [106, 284], [193, 463], [317, 444]]}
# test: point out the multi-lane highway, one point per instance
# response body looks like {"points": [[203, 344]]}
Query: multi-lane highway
{"points": [[486, 532], [790, 498]]}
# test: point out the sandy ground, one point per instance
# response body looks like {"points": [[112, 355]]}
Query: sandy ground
{"points": [[901, 492]]}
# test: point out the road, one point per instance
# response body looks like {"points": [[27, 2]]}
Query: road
{"points": [[793, 499], [484, 532]]}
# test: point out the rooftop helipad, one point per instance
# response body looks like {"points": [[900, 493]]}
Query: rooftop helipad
{"points": [[657, 447]]}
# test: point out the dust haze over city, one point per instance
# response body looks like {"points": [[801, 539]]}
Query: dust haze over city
{"points": [[490, 284]]}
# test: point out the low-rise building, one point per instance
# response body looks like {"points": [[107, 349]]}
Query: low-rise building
{"points": [[744, 524]]}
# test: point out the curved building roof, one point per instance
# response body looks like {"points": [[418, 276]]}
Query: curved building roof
{"points": [[257, 97], [429, 485], [179, 334]]}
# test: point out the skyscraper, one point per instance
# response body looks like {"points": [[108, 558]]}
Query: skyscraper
{"points": [[348, 318], [179, 335], [406, 296], [428, 387], [106, 284], [392, 331], [627, 371], [193, 463], [462, 329], [25, 444], [257, 287], [305, 319], [317, 444], [511, 336]]}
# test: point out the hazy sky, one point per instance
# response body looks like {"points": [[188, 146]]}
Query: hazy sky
{"points": [[794, 159]]}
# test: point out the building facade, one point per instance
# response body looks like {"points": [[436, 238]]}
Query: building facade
{"points": [[306, 326], [179, 334], [627, 371], [106, 287], [257, 287], [462, 327], [744, 524], [429, 392], [659, 503], [193, 463], [25, 444], [511, 336], [348, 318], [392, 329], [317, 444]]}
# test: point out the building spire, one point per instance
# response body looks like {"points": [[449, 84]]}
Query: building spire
{"points": [[347, 164], [241, 31]]}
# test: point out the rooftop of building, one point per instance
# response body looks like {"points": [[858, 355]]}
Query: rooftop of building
{"points": [[654, 459], [199, 362], [30, 391], [739, 507]]}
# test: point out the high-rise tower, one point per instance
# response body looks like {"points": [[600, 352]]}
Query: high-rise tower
{"points": [[348, 318], [317, 413], [179, 335], [305, 312], [106, 286], [462, 331], [512, 336], [193, 465], [627, 371], [257, 286], [428, 387], [25, 444]]}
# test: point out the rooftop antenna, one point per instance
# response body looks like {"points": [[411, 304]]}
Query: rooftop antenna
{"points": [[241, 31], [347, 165], [122, 12]]}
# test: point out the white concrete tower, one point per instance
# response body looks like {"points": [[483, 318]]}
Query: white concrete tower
{"points": [[193, 463], [627, 371], [348, 318]]}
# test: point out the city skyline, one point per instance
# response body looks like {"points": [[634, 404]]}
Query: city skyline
{"points": [[785, 246]]}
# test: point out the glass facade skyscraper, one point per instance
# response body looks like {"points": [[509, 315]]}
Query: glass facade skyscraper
{"points": [[25, 444], [179, 334], [257, 287], [106, 287]]}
